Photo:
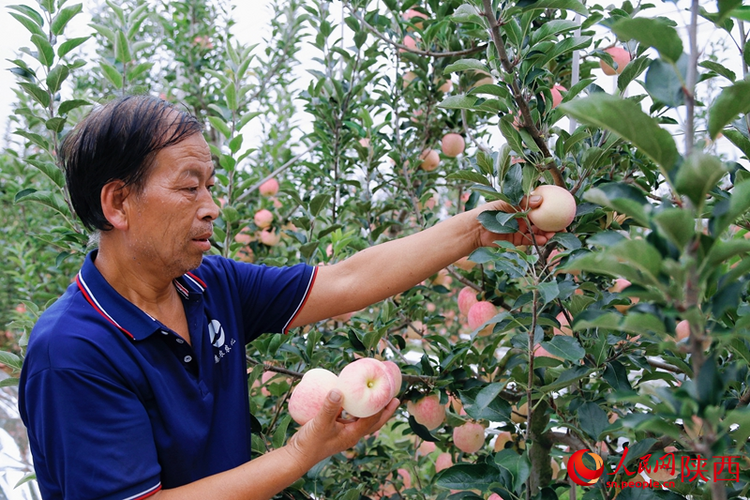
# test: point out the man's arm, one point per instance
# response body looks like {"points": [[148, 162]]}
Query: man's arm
{"points": [[263, 477], [384, 270]]}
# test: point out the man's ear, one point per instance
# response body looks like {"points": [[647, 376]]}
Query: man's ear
{"points": [[113, 204]]}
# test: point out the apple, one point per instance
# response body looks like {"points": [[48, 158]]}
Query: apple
{"points": [[495, 496], [426, 447], [367, 386], [263, 218], [479, 314], [518, 414], [270, 238], [269, 188], [409, 77], [564, 325], [467, 297], [427, 411], [556, 95], [310, 394], [409, 42], [446, 87], [430, 160], [620, 56], [557, 211], [682, 330], [469, 437], [443, 461], [395, 372], [464, 264], [410, 14], [243, 236], [453, 145], [501, 440], [619, 285], [442, 279]]}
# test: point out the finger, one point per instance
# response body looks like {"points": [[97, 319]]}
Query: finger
{"points": [[528, 202], [331, 408]]}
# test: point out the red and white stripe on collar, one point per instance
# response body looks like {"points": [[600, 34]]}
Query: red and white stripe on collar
{"points": [[86, 291], [145, 494]]}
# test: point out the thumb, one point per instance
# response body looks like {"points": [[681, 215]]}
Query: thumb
{"points": [[332, 405]]}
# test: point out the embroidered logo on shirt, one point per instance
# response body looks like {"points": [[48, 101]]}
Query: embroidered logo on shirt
{"points": [[218, 340]]}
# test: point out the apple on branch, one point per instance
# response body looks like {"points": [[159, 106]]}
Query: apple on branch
{"points": [[427, 411]]}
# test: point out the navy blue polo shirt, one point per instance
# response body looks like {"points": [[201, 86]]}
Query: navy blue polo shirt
{"points": [[118, 406]]}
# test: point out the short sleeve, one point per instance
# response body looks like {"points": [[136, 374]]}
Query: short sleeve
{"points": [[90, 435], [271, 297]]}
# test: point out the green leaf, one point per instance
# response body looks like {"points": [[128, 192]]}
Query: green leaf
{"points": [[727, 211], [719, 69], [632, 71], [485, 403], [458, 102], [467, 477], [732, 101], [279, 435], [665, 84], [489, 220], [617, 377], [30, 25], [230, 95], [45, 52], [318, 203], [11, 360], [548, 291], [677, 224], [626, 119], [653, 33], [470, 176], [566, 378], [111, 73], [56, 77], [50, 170], [623, 198], [697, 175], [739, 140], [105, 32], [69, 45], [34, 138], [592, 419], [138, 70], [219, 124], [67, 106], [466, 64], [36, 92], [518, 466], [573, 5], [47, 198], [122, 49], [63, 17], [566, 347], [421, 431], [29, 12]]}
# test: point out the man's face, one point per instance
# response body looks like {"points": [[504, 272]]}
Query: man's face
{"points": [[172, 218]]}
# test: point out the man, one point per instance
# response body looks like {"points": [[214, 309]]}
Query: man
{"points": [[134, 384]]}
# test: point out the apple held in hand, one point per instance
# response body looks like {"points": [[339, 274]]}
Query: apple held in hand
{"points": [[310, 394], [367, 386], [557, 211]]}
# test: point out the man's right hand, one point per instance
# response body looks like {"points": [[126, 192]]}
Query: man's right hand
{"points": [[328, 434]]}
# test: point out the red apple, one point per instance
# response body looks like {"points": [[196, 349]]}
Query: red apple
{"points": [[269, 188], [556, 95], [682, 330], [427, 411], [453, 145], [270, 238], [263, 218], [501, 439], [366, 385], [395, 372], [411, 14], [620, 56], [564, 325], [443, 461], [469, 437], [557, 211], [467, 297], [430, 160], [479, 314], [310, 394]]}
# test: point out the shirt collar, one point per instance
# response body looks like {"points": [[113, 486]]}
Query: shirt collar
{"points": [[120, 312]]}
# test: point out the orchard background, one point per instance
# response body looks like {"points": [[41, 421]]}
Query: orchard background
{"points": [[572, 357]]}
